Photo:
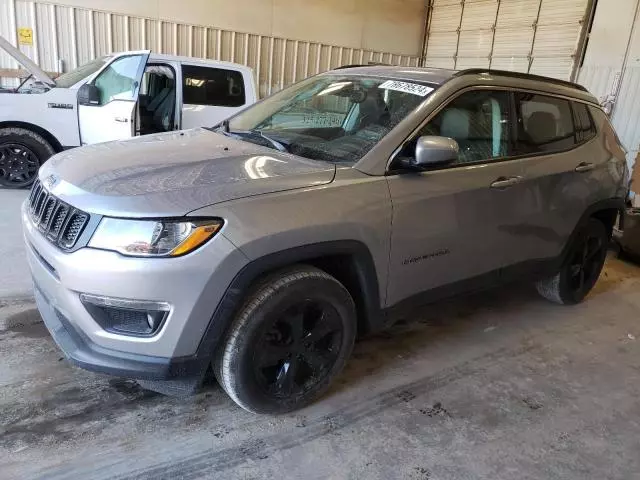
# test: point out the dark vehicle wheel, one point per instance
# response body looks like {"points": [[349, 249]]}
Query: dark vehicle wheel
{"points": [[581, 270], [291, 337], [21, 154]]}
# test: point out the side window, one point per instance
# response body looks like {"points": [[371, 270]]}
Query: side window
{"points": [[212, 86], [478, 120], [545, 124], [119, 81], [585, 129]]}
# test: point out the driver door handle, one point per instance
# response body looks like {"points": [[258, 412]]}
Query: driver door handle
{"points": [[506, 182], [122, 119], [585, 167]]}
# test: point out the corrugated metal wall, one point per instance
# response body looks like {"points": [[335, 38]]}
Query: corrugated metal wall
{"points": [[66, 37], [611, 69], [536, 36]]}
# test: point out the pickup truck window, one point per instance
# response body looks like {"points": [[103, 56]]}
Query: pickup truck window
{"points": [[69, 79], [218, 87], [119, 80], [336, 118]]}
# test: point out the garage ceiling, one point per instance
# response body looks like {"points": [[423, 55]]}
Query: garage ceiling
{"points": [[536, 36]]}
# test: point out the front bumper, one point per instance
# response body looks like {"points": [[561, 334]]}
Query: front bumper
{"points": [[81, 351], [193, 286]]}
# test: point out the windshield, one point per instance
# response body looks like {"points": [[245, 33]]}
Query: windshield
{"points": [[69, 79], [336, 118]]}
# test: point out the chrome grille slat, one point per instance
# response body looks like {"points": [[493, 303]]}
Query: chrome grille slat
{"points": [[49, 207], [61, 224], [40, 202], [59, 217], [33, 193], [72, 229]]}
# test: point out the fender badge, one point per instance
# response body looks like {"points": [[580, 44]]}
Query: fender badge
{"points": [[64, 106]]}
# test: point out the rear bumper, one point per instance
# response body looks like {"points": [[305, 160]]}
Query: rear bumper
{"points": [[81, 351]]}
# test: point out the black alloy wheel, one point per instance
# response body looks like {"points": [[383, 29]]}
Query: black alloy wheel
{"points": [[299, 349], [580, 271], [289, 339], [18, 165], [586, 263]]}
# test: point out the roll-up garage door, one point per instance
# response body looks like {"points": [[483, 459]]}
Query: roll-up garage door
{"points": [[535, 36]]}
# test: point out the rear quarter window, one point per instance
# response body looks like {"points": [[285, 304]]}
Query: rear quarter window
{"points": [[545, 124], [217, 87], [585, 128]]}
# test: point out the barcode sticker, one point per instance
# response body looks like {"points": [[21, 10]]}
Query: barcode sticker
{"points": [[414, 88]]}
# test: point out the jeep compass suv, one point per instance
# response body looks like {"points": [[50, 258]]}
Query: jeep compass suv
{"points": [[262, 247]]}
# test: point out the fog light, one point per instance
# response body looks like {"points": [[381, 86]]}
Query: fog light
{"points": [[131, 317]]}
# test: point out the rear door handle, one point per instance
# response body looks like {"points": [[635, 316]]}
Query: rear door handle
{"points": [[585, 167], [504, 182], [122, 119]]}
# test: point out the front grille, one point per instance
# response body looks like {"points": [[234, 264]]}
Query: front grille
{"points": [[59, 222]]}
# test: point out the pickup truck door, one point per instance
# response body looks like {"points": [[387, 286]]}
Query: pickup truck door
{"points": [[112, 115]]}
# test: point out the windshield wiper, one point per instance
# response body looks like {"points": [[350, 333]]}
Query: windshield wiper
{"points": [[278, 145], [281, 147]]}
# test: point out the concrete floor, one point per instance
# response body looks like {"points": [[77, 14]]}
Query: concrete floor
{"points": [[15, 280], [499, 385]]}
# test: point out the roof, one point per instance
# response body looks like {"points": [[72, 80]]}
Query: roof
{"points": [[154, 57], [476, 76]]}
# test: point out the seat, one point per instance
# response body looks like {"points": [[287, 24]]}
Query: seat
{"points": [[158, 99], [373, 111], [542, 127], [163, 113], [456, 124]]}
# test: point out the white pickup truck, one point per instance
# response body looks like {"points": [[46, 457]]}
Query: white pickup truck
{"points": [[111, 98]]}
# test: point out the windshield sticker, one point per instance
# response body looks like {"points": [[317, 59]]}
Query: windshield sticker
{"points": [[414, 88]]}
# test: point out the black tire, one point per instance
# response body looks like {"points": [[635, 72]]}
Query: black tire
{"points": [[582, 267], [22, 152], [292, 336]]}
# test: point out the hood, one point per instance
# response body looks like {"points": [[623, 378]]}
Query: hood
{"points": [[26, 62], [172, 174]]}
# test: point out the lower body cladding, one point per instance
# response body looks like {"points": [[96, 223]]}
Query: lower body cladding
{"points": [[143, 318]]}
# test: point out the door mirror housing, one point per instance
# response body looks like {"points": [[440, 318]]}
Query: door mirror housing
{"points": [[435, 151], [89, 95]]}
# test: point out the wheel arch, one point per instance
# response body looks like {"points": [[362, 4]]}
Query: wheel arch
{"points": [[48, 136], [349, 261], [605, 210]]}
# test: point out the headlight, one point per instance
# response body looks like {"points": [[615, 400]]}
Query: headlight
{"points": [[153, 238]]}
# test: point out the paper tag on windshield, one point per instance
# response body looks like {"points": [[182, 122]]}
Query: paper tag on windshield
{"points": [[414, 88]]}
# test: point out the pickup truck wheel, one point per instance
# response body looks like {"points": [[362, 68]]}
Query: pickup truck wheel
{"points": [[580, 272], [291, 337], [22, 152]]}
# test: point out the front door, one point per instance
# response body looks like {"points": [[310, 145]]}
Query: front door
{"points": [[455, 224], [113, 116]]}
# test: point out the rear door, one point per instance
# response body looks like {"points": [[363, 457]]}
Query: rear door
{"points": [[455, 224], [559, 166], [113, 116], [212, 94]]}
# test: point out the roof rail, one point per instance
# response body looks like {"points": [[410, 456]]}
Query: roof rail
{"points": [[530, 76], [370, 64]]}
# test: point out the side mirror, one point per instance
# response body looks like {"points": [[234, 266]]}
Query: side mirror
{"points": [[432, 151], [89, 95]]}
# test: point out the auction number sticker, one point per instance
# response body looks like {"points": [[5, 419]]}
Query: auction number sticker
{"points": [[414, 88]]}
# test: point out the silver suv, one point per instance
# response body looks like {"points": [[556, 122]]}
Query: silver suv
{"points": [[262, 247]]}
